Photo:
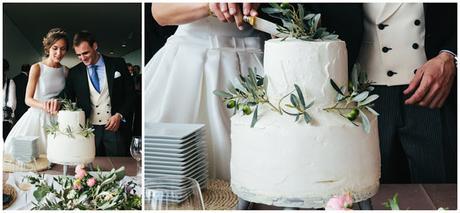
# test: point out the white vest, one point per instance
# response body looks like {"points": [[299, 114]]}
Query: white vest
{"points": [[393, 43], [100, 103]]}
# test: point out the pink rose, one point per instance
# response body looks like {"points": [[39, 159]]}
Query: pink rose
{"points": [[79, 167], [91, 182], [341, 202], [77, 185], [80, 174]]}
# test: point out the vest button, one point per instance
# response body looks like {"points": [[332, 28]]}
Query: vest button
{"points": [[98, 113], [100, 121], [386, 49], [108, 112], [417, 22], [382, 26], [97, 106], [390, 73], [415, 46]]}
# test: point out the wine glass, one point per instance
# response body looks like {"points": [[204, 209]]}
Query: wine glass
{"points": [[136, 152], [173, 193], [21, 181]]}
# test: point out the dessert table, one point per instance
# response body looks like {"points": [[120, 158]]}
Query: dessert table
{"points": [[104, 163]]}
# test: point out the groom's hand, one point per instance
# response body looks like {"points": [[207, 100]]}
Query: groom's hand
{"points": [[114, 123], [432, 82]]}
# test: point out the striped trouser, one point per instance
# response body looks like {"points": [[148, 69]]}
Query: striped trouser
{"points": [[417, 144]]}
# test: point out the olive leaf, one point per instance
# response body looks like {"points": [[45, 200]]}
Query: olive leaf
{"points": [[298, 23], [357, 99]]}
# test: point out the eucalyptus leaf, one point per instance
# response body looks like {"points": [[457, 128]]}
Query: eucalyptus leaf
{"points": [[372, 111], [295, 101], [301, 10], [361, 96], [299, 92], [369, 100], [306, 117], [222, 94], [254, 117], [365, 122], [309, 105], [354, 76], [309, 16], [334, 85]]}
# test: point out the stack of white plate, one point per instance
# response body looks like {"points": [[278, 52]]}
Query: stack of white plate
{"points": [[25, 148], [176, 150]]}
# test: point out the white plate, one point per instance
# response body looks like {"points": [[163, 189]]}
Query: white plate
{"points": [[171, 130], [195, 159], [174, 142], [188, 173], [154, 148], [170, 143], [156, 153], [177, 168]]}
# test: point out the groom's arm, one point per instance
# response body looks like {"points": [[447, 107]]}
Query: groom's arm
{"points": [[128, 89]]}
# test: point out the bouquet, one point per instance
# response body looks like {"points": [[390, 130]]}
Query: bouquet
{"points": [[86, 192]]}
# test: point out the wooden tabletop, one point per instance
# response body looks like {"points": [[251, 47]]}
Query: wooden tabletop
{"points": [[411, 197], [105, 163]]}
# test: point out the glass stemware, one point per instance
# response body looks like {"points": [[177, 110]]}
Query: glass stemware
{"points": [[136, 153], [21, 181], [173, 193]]}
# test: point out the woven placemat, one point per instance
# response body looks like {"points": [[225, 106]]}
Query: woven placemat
{"points": [[9, 190], [9, 164], [219, 196]]}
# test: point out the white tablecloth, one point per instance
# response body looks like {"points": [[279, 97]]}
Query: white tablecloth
{"points": [[20, 202]]}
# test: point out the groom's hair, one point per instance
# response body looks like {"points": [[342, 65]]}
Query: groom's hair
{"points": [[83, 36]]}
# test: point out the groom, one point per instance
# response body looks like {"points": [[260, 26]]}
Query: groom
{"points": [[101, 87]]}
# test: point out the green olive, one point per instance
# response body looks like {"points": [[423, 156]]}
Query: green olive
{"points": [[284, 5], [352, 115], [247, 110], [231, 104]]}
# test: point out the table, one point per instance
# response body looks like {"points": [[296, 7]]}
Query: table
{"points": [[104, 163], [411, 197]]}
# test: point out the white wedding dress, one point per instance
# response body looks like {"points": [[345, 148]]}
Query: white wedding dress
{"points": [[180, 79], [50, 83]]}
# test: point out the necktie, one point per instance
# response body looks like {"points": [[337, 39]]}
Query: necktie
{"points": [[94, 77]]}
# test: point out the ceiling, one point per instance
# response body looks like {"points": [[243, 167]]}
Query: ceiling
{"points": [[113, 24]]}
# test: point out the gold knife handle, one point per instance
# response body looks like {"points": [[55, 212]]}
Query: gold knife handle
{"points": [[249, 19]]}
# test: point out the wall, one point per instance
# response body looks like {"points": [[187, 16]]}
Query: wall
{"points": [[16, 48], [134, 57]]}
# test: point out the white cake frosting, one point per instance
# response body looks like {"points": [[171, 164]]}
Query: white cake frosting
{"points": [[293, 164], [71, 150]]}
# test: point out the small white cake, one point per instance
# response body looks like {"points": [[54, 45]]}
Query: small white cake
{"points": [[293, 164], [70, 150]]}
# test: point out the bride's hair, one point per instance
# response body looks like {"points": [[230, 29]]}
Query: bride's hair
{"points": [[52, 37]]}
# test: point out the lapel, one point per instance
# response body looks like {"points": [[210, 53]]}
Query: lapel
{"points": [[109, 73], [388, 10]]}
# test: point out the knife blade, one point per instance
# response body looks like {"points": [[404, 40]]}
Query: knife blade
{"points": [[264, 26]]}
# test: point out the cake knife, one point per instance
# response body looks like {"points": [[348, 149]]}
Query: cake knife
{"points": [[264, 26]]}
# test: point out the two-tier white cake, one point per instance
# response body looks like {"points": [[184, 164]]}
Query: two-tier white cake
{"points": [[293, 164], [70, 149]]}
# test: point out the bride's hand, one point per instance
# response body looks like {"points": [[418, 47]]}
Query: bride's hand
{"points": [[51, 106], [249, 9], [216, 9]]}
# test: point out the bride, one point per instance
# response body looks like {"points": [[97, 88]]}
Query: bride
{"points": [[203, 55], [46, 80]]}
